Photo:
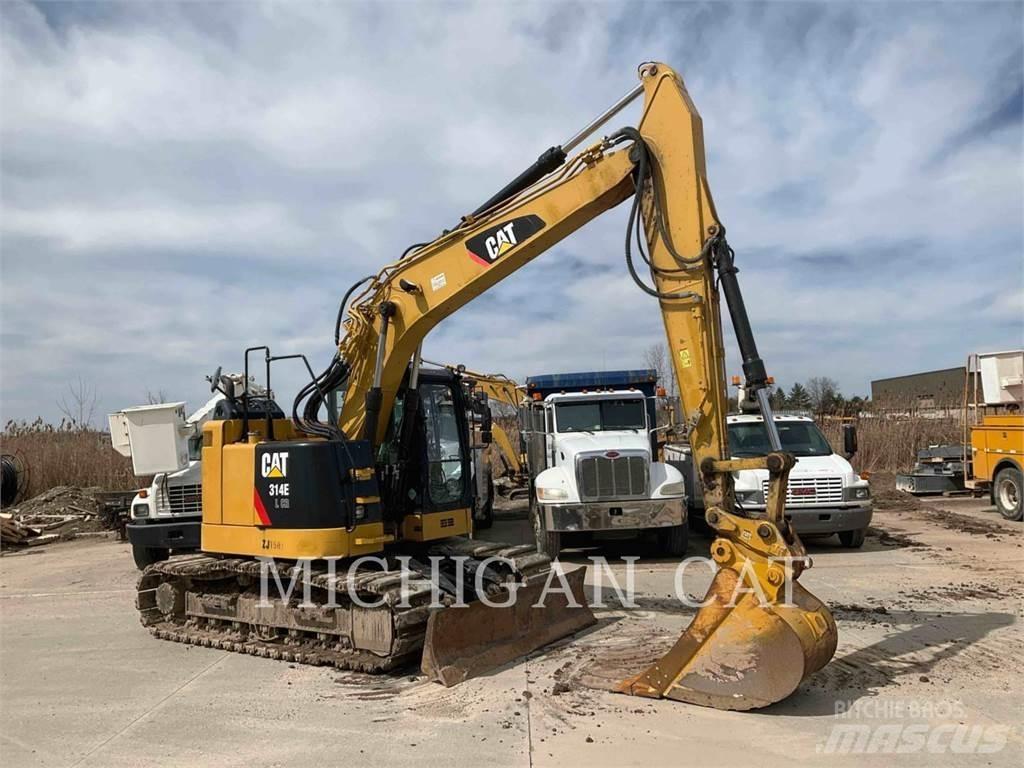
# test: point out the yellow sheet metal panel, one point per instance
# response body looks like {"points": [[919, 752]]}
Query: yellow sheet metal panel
{"points": [[437, 525], [213, 441], [996, 438], [239, 461]]}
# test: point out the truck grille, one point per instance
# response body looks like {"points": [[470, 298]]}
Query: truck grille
{"points": [[811, 490], [622, 477], [181, 499]]}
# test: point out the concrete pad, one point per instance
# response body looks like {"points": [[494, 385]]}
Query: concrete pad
{"points": [[929, 620]]}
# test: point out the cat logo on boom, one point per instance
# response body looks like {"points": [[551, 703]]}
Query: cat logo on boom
{"points": [[488, 246], [274, 464]]}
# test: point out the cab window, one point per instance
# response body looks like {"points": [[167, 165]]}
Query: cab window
{"points": [[444, 449]]}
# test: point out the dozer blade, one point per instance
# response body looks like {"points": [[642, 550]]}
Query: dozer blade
{"points": [[741, 657], [464, 642]]}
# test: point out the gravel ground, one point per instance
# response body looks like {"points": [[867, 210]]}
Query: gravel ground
{"points": [[928, 613]]}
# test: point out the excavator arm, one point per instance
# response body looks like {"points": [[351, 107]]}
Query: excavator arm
{"points": [[759, 633], [500, 389]]}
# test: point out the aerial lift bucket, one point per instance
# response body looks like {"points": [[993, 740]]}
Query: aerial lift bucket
{"points": [[471, 640], [741, 652]]}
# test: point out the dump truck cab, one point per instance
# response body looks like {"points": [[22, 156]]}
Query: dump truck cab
{"points": [[590, 452]]}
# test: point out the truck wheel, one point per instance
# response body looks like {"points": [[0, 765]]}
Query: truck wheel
{"points": [[852, 539], [547, 542], [1007, 492], [146, 556], [672, 541]]}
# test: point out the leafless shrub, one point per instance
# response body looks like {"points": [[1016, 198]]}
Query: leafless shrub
{"points": [[657, 357]]}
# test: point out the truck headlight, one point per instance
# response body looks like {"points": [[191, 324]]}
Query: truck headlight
{"points": [[551, 494], [672, 489], [857, 493], [750, 497], [140, 510]]}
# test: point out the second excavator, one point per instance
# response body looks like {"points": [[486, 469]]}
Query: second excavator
{"points": [[389, 479]]}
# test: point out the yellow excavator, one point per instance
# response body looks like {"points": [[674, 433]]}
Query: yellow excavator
{"points": [[390, 477]]}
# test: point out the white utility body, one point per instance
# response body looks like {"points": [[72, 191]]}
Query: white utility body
{"points": [[165, 444]]}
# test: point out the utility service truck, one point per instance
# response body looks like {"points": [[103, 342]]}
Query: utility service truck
{"points": [[591, 450], [824, 496], [164, 444]]}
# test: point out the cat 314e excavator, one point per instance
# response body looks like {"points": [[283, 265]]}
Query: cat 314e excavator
{"points": [[391, 476]]}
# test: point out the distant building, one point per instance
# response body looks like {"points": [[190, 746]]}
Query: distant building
{"points": [[930, 391]]}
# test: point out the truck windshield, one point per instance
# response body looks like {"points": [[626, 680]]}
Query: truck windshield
{"points": [[600, 415], [801, 438]]}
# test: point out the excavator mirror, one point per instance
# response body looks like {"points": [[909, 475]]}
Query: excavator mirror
{"points": [[482, 408], [849, 440], [215, 379]]}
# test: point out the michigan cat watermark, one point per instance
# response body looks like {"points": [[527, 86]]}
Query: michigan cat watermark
{"points": [[494, 580]]}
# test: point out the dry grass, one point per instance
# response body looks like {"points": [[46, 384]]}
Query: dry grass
{"points": [[891, 444], [64, 455], [886, 443]]}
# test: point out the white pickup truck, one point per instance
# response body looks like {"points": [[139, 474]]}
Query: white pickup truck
{"points": [[825, 495], [589, 449]]}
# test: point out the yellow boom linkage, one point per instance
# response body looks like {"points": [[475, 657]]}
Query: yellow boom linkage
{"points": [[499, 388]]}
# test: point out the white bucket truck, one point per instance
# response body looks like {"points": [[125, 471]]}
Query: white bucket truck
{"points": [[162, 443]]}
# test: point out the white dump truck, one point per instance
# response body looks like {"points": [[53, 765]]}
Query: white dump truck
{"points": [[166, 445], [590, 446], [825, 495]]}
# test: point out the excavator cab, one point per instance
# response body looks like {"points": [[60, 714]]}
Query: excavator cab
{"points": [[424, 460]]}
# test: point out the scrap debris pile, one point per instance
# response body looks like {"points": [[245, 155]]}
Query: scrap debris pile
{"points": [[64, 512]]}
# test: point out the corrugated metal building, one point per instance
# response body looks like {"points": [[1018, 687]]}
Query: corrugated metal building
{"points": [[921, 391]]}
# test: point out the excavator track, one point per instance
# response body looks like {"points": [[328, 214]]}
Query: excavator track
{"points": [[215, 601]]}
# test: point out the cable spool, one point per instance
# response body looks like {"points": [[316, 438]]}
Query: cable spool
{"points": [[13, 479]]}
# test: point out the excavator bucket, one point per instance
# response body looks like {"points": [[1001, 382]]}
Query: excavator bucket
{"points": [[464, 642], [741, 657]]}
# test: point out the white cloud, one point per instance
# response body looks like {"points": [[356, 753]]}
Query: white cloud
{"points": [[182, 181], [178, 227]]}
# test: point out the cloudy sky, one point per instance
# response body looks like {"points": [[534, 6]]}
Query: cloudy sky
{"points": [[182, 181]]}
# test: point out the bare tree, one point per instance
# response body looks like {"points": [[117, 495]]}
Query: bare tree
{"points": [[823, 392], [80, 405], [156, 398], [656, 356]]}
